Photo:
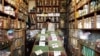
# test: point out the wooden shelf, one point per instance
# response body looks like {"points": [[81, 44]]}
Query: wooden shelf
{"points": [[23, 13], [33, 24], [7, 3], [89, 14], [32, 12], [7, 15], [43, 22], [10, 28], [55, 22], [40, 22], [78, 23], [72, 20], [5, 28], [21, 20], [80, 6], [10, 22], [98, 11], [71, 12], [91, 29], [63, 12]]}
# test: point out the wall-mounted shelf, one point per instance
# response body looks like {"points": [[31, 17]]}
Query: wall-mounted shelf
{"points": [[7, 15], [10, 26], [85, 20], [6, 3], [82, 3]]}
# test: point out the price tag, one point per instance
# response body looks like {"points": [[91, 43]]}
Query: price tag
{"points": [[57, 53], [38, 52], [55, 45], [42, 38], [41, 43]]}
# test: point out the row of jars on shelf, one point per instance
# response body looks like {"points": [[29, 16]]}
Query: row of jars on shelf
{"points": [[93, 6], [48, 9], [43, 19], [89, 23], [48, 2], [10, 10], [10, 23]]}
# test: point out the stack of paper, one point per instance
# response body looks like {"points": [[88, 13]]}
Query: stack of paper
{"points": [[38, 52], [55, 45], [41, 43], [42, 38], [57, 53]]}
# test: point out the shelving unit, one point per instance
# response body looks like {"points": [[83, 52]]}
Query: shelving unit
{"points": [[84, 27], [12, 27], [41, 18], [45, 10]]}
